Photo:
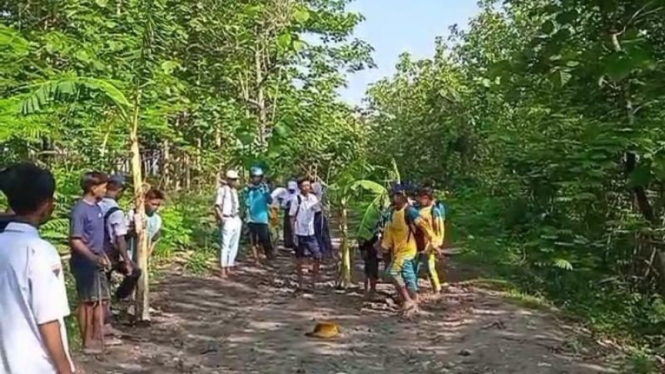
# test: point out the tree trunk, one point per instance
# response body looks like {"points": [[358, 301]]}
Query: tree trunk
{"points": [[345, 277], [143, 291], [166, 167], [261, 102]]}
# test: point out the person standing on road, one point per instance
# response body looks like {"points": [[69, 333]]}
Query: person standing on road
{"points": [[226, 208], [257, 201], [322, 231], [33, 297], [302, 212]]}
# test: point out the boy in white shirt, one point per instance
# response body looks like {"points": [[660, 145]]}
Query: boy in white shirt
{"points": [[302, 211], [33, 298]]}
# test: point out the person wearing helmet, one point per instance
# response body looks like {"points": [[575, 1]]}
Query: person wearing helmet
{"points": [[257, 203], [227, 209], [399, 239]]}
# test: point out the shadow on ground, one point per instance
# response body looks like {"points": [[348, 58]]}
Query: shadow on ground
{"points": [[256, 323]]}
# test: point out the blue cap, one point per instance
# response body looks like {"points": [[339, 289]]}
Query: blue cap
{"points": [[399, 189], [256, 171]]}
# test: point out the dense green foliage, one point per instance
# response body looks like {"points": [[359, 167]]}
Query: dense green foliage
{"points": [[544, 121]]}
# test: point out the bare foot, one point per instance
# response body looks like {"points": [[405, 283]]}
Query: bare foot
{"points": [[93, 348], [110, 331]]}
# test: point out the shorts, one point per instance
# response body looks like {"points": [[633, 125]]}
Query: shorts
{"points": [[308, 244], [402, 270], [91, 283], [371, 259], [259, 234]]}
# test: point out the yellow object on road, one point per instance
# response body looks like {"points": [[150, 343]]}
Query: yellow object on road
{"points": [[324, 331]]}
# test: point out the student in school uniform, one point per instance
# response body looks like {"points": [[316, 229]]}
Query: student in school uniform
{"points": [[227, 208], [33, 298], [116, 246], [302, 211]]}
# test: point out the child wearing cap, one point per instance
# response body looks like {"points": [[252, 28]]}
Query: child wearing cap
{"points": [[399, 238], [257, 199]]}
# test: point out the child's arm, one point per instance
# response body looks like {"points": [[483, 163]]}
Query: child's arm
{"points": [[50, 332], [48, 303]]}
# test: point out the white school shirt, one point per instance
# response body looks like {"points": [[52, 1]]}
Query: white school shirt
{"points": [[227, 199], [283, 197], [32, 292], [116, 225], [304, 213]]}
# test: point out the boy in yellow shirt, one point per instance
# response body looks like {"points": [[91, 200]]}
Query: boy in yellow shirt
{"points": [[399, 238], [429, 249]]}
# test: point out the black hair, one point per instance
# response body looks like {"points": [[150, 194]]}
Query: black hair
{"points": [[115, 185], [93, 179], [426, 191], [154, 193], [27, 187], [303, 180]]}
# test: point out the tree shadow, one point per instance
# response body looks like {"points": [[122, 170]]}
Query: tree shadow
{"points": [[256, 322]]}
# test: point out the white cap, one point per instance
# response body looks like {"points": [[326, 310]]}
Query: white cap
{"points": [[232, 174], [292, 185]]}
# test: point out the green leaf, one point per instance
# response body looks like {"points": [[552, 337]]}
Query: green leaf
{"points": [[618, 67], [284, 40], [301, 15], [547, 27], [370, 186], [640, 177], [563, 264]]}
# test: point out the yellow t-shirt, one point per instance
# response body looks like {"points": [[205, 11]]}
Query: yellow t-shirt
{"points": [[435, 218], [397, 235]]}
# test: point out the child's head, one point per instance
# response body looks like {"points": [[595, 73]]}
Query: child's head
{"points": [[115, 187], [425, 196], [30, 191], [153, 201], [94, 184], [305, 185], [399, 197]]}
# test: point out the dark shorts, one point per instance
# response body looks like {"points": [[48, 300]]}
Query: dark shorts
{"points": [[259, 234], [91, 283], [308, 244], [371, 259]]}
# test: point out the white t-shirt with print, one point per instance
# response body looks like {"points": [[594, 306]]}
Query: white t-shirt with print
{"points": [[32, 292], [304, 211]]}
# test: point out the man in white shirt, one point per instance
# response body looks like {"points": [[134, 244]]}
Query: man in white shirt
{"points": [[227, 208], [33, 298], [302, 211]]}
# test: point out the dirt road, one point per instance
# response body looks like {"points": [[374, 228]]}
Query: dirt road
{"points": [[255, 323]]}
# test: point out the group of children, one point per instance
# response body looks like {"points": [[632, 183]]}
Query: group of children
{"points": [[305, 224], [33, 299], [408, 237]]}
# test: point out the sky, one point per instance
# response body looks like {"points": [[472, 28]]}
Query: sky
{"points": [[396, 26]]}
